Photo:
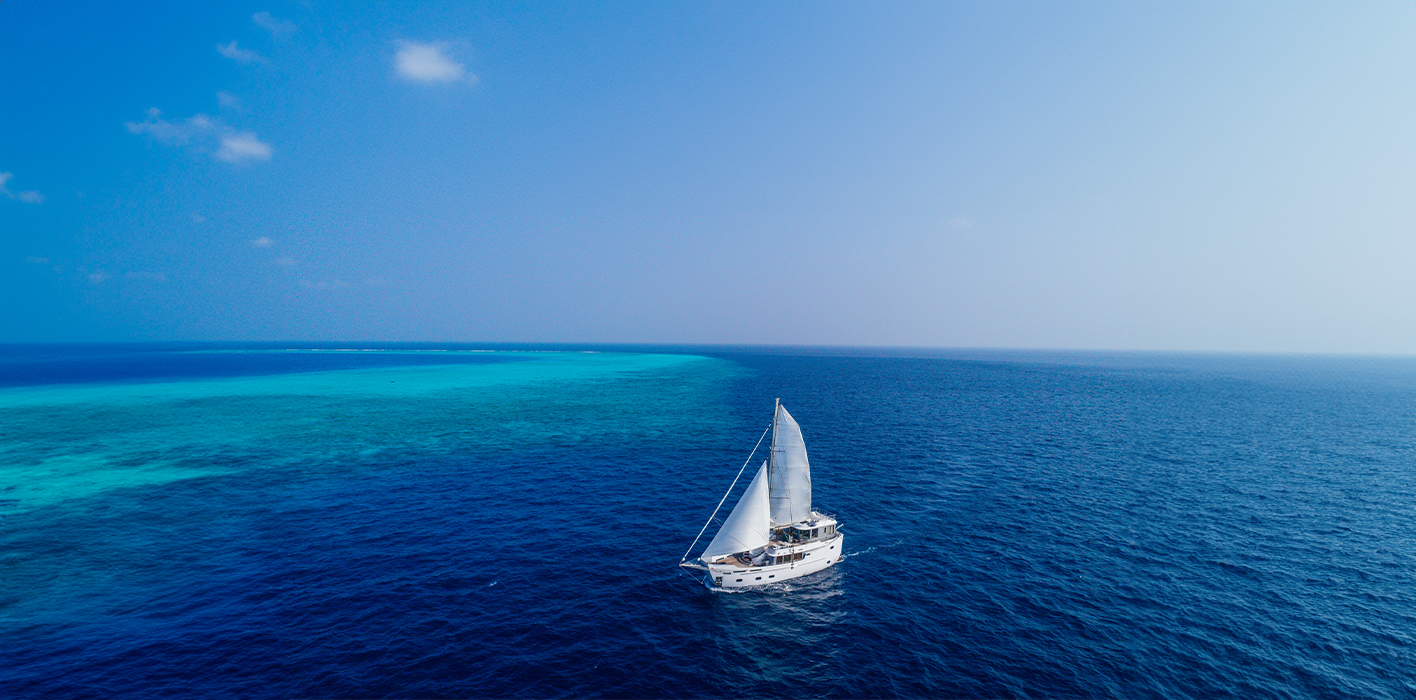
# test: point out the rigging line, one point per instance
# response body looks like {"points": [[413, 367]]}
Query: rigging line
{"points": [[691, 578], [725, 496]]}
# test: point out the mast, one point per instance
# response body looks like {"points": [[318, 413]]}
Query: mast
{"points": [[778, 489], [772, 477], [790, 491], [772, 453]]}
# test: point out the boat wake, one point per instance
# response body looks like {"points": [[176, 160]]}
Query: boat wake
{"points": [[871, 550]]}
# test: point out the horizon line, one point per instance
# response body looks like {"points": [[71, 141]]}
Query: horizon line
{"points": [[722, 346]]}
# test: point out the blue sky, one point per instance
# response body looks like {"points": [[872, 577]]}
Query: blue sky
{"points": [[1221, 176]]}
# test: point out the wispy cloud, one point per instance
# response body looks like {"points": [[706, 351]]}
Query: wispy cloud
{"points": [[263, 242], [179, 133], [203, 133], [35, 260], [238, 54], [99, 277], [198, 218], [276, 26], [242, 146], [284, 262], [226, 101], [430, 63], [28, 196]]}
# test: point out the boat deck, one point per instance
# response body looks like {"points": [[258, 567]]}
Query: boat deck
{"points": [[800, 547], [734, 561]]}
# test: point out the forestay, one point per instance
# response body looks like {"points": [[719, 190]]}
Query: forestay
{"points": [[747, 528], [790, 472]]}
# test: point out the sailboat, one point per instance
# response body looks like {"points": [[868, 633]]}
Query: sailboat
{"points": [[772, 534]]}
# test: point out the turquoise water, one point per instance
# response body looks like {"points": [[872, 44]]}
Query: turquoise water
{"points": [[256, 521], [108, 453], [76, 441]]}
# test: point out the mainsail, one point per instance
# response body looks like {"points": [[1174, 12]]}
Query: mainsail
{"points": [[747, 528], [790, 473]]}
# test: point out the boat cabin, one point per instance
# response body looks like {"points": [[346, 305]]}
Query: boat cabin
{"points": [[806, 531]]}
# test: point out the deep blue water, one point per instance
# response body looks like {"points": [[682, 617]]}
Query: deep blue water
{"points": [[247, 521]]}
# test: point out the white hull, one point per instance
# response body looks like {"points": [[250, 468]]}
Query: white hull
{"points": [[816, 556]]}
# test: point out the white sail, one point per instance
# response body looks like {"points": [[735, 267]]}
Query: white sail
{"points": [[747, 528], [790, 472]]}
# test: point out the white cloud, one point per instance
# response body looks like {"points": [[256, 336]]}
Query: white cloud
{"points": [[99, 277], [429, 63], [226, 100], [242, 146], [28, 196], [263, 242], [179, 133], [204, 133], [238, 54], [276, 26]]}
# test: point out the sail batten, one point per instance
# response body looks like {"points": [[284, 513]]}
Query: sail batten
{"points": [[790, 475], [749, 525]]}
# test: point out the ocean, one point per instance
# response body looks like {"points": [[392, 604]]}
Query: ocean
{"points": [[448, 521]]}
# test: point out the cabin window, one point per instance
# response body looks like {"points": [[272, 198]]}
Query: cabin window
{"points": [[759, 578], [813, 532], [797, 556], [739, 580], [830, 530]]}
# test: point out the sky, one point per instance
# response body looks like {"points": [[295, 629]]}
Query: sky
{"points": [[1181, 176]]}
